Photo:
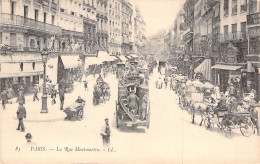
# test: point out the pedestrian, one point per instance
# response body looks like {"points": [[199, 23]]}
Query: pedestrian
{"points": [[4, 97], [20, 97], [165, 81], [105, 133], [255, 117], [62, 97], [29, 142], [133, 102], [21, 113], [35, 93], [85, 85], [53, 96]]}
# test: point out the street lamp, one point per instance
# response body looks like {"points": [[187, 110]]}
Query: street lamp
{"points": [[44, 94]]}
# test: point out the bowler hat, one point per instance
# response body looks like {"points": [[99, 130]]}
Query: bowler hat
{"points": [[28, 136], [106, 119]]}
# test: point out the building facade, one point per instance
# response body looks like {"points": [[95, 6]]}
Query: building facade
{"points": [[126, 23], [139, 32], [114, 27], [26, 28], [102, 24]]}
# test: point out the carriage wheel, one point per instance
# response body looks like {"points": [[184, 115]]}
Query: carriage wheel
{"points": [[247, 127], [80, 114], [117, 121], [148, 118], [229, 128], [208, 124]]}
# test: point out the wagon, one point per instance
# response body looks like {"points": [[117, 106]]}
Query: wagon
{"points": [[75, 111], [101, 93], [230, 122], [124, 115]]}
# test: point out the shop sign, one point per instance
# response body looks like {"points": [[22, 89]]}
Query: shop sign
{"points": [[253, 19], [254, 31], [231, 54]]}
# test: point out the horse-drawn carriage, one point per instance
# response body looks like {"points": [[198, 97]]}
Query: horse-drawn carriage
{"points": [[133, 106], [120, 69], [75, 111], [101, 92]]}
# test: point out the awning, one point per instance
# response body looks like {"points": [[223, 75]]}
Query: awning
{"points": [[20, 74], [226, 67], [123, 58], [134, 55], [204, 68], [93, 61], [70, 61], [104, 56]]}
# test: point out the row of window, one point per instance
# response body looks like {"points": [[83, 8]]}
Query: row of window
{"points": [[243, 7], [234, 28]]}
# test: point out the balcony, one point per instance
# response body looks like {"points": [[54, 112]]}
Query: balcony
{"points": [[187, 35], [26, 23], [102, 32], [73, 33], [253, 19], [101, 14], [53, 6], [234, 37]]}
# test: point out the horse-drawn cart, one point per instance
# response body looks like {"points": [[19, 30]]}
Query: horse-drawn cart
{"points": [[133, 106], [75, 111]]}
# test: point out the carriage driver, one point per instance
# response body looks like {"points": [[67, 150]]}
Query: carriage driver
{"points": [[133, 102], [80, 100]]}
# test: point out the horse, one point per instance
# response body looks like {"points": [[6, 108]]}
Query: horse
{"points": [[199, 107]]}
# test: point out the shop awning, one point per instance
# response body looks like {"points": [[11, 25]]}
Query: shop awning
{"points": [[134, 55], [123, 58], [20, 74], [226, 67], [104, 56], [93, 61], [204, 68], [70, 61]]}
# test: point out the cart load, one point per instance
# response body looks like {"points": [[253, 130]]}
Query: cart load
{"points": [[74, 111]]}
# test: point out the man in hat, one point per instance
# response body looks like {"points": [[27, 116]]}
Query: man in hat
{"points": [[35, 93], [232, 90], [85, 85], [165, 81], [20, 97], [53, 95], [4, 97], [62, 97], [105, 133], [21, 113], [133, 102]]}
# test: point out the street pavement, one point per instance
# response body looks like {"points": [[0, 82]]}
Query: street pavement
{"points": [[171, 137]]}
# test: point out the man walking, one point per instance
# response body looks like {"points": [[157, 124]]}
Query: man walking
{"points": [[21, 113], [35, 93], [105, 133], [165, 81], [85, 85], [62, 97], [53, 95], [21, 97], [4, 97]]}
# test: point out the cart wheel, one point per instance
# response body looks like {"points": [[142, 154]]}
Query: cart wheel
{"points": [[247, 127], [80, 115], [117, 121], [229, 129], [207, 123], [149, 115]]}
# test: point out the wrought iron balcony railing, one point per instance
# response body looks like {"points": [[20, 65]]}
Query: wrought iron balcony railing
{"points": [[238, 36], [20, 21]]}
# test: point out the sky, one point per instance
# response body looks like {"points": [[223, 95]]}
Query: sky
{"points": [[158, 14]]}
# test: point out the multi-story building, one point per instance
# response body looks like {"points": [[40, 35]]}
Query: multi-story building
{"points": [[26, 27], [114, 27], [139, 32], [233, 45], [102, 24], [253, 57], [126, 22]]}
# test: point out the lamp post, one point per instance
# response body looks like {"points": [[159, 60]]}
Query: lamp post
{"points": [[44, 94]]}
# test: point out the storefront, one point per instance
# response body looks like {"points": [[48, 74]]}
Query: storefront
{"points": [[228, 73], [20, 68], [68, 67]]}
